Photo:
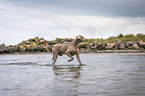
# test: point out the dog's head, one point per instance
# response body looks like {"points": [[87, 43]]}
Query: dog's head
{"points": [[81, 38]]}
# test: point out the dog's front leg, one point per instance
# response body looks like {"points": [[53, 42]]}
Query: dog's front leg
{"points": [[78, 57]]}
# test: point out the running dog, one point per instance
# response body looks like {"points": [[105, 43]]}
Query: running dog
{"points": [[70, 49]]}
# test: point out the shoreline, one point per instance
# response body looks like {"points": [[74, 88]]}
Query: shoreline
{"points": [[115, 51], [94, 51]]}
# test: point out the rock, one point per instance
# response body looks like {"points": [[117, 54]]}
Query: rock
{"points": [[27, 42], [36, 39], [13, 49], [33, 44], [83, 45], [141, 49], [135, 47], [65, 42], [84, 50], [126, 44], [27, 46], [62, 41], [95, 43], [109, 46], [48, 48], [141, 44], [119, 45], [131, 43], [40, 48], [41, 42], [93, 47], [2, 48], [101, 46], [51, 43], [23, 50], [32, 49]]}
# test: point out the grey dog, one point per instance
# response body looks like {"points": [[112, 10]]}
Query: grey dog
{"points": [[70, 49]]}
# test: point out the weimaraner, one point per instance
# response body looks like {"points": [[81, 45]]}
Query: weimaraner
{"points": [[68, 49]]}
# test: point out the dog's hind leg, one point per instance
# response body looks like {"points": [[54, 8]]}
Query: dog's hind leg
{"points": [[68, 54], [55, 55]]}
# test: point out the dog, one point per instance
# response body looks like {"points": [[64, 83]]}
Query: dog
{"points": [[70, 49]]}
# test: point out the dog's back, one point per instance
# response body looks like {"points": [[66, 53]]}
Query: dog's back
{"points": [[60, 47]]}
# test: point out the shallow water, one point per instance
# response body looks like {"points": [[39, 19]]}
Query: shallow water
{"points": [[102, 74]]}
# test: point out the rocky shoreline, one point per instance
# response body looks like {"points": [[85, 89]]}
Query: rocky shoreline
{"points": [[40, 45]]}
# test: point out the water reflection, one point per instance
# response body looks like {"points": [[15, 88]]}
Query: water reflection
{"points": [[66, 80], [71, 71]]}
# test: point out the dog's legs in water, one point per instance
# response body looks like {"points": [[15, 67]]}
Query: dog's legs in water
{"points": [[55, 55], [78, 57], [54, 59]]}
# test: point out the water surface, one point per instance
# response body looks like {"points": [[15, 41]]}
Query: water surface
{"points": [[102, 74]]}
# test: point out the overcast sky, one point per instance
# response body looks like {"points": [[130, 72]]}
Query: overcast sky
{"points": [[24, 19]]}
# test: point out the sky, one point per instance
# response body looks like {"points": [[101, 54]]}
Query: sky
{"points": [[24, 19]]}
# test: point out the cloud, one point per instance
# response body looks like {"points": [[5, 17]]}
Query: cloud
{"points": [[129, 8], [20, 23]]}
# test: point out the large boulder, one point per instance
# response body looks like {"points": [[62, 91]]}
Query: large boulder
{"points": [[83, 45], [135, 47], [27, 42], [141, 44], [32, 49], [2, 48], [101, 46], [48, 48], [109, 46], [126, 44], [27, 46], [119, 45], [131, 43], [95, 43], [42, 42], [32, 40], [36, 39], [50, 43], [13, 49], [33, 44], [40, 48]]}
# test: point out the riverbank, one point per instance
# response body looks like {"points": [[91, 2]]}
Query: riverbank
{"points": [[40, 45]]}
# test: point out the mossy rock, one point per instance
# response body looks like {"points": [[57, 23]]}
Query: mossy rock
{"points": [[27, 46], [33, 44], [2, 46], [36, 39], [42, 42]]}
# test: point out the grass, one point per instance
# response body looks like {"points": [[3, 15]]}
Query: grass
{"points": [[128, 37]]}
